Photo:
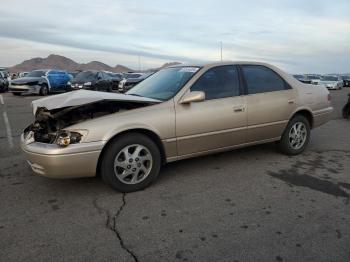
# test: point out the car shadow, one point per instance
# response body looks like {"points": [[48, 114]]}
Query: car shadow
{"points": [[212, 161]]}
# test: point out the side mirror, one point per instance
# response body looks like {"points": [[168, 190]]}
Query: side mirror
{"points": [[194, 96]]}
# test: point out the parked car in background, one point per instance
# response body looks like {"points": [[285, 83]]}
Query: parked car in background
{"points": [[92, 80], [116, 78], [41, 82], [303, 79], [129, 82], [315, 79], [4, 83], [73, 74], [14, 76], [332, 82], [23, 74], [179, 112], [346, 80]]}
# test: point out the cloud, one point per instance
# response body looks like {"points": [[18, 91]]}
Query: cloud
{"points": [[296, 35]]}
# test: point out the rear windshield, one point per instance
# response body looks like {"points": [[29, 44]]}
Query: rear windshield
{"points": [[86, 76]]}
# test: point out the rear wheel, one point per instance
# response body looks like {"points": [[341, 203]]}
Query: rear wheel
{"points": [[44, 91], [296, 136], [346, 111], [130, 163]]}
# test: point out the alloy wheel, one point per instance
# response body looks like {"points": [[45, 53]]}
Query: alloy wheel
{"points": [[133, 164], [297, 135]]}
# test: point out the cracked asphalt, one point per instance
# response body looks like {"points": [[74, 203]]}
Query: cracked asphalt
{"points": [[252, 204]]}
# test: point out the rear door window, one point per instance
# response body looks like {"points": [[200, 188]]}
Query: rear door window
{"points": [[260, 79]]}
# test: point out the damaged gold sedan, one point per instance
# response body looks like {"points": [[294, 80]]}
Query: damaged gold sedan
{"points": [[179, 112]]}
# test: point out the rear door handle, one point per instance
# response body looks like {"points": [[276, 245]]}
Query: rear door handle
{"points": [[291, 101], [238, 109]]}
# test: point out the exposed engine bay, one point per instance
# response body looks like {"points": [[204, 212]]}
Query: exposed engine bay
{"points": [[48, 124]]}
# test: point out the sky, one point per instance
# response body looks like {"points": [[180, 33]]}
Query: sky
{"points": [[300, 36]]}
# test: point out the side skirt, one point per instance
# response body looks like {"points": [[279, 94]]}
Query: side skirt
{"points": [[222, 149]]}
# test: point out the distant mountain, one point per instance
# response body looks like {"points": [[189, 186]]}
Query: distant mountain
{"points": [[95, 65], [163, 66], [121, 68], [169, 64], [63, 63], [52, 61]]}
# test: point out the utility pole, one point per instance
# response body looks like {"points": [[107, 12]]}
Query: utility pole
{"points": [[139, 60], [220, 50]]}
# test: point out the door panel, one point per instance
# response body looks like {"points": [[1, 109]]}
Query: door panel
{"points": [[268, 114], [210, 124], [270, 102]]}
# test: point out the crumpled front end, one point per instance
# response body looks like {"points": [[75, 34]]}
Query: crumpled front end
{"points": [[53, 149]]}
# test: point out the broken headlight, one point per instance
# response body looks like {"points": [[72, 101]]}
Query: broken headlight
{"points": [[65, 138]]}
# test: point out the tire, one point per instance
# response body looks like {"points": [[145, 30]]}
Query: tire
{"points": [[17, 94], [44, 91], [289, 145], [115, 164], [346, 111]]}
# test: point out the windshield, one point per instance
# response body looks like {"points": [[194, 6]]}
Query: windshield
{"points": [[37, 73], [86, 76], [330, 78], [164, 84]]}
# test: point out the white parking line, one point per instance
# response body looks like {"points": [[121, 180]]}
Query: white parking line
{"points": [[7, 124], [8, 129]]}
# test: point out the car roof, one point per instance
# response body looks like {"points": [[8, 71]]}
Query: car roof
{"points": [[211, 64], [94, 71]]}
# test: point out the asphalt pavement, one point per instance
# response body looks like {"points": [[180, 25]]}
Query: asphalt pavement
{"points": [[251, 204]]}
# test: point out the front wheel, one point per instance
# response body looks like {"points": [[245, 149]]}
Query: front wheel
{"points": [[131, 162], [296, 136]]}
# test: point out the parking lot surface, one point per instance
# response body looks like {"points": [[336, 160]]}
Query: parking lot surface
{"points": [[252, 204]]}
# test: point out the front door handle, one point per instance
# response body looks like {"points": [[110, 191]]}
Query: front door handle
{"points": [[291, 101]]}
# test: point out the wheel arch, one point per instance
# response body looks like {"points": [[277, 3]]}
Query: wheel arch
{"points": [[307, 114], [151, 134]]}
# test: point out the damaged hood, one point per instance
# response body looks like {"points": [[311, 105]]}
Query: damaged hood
{"points": [[83, 97]]}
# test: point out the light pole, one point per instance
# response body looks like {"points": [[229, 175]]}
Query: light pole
{"points": [[220, 50], [139, 60]]}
